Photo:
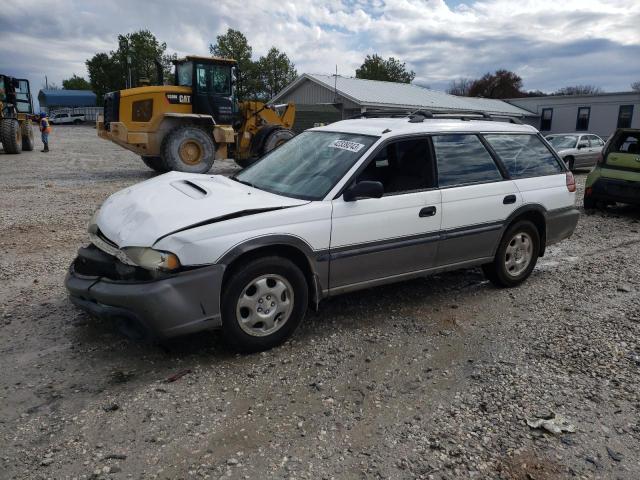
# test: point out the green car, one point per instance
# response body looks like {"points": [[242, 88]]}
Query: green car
{"points": [[616, 177]]}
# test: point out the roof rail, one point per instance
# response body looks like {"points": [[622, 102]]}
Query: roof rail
{"points": [[419, 116]]}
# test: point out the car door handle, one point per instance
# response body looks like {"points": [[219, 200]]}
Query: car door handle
{"points": [[509, 199], [427, 212]]}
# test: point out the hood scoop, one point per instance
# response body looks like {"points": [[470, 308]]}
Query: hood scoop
{"points": [[190, 188]]}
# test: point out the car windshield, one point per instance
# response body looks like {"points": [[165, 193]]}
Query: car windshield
{"points": [[307, 166], [563, 141]]}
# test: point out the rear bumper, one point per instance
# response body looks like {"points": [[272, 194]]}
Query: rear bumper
{"points": [[185, 303], [616, 190], [561, 224]]}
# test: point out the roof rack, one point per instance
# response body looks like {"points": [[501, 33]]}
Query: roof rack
{"points": [[419, 116]]}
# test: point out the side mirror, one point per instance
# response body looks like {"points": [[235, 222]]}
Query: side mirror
{"points": [[365, 189], [582, 145]]}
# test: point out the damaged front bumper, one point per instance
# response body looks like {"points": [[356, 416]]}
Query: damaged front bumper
{"points": [[145, 308]]}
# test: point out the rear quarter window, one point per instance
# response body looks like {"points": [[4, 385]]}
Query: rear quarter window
{"points": [[524, 155]]}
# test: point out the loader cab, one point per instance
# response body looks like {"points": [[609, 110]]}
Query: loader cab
{"points": [[15, 95], [212, 81]]}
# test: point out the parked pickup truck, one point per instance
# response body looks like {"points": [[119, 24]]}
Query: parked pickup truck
{"points": [[66, 118]]}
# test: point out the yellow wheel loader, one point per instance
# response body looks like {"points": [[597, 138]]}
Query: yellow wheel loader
{"points": [[188, 125], [16, 109]]}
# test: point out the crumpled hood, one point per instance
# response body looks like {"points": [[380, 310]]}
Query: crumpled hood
{"points": [[141, 214]]}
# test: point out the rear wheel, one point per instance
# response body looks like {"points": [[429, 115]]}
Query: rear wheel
{"points": [[11, 135], [155, 163], [188, 149], [263, 303], [77, 121], [516, 257], [589, 203], [28, 142]]}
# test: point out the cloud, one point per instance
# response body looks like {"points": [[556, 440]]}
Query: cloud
{"points": [[549, 43]]}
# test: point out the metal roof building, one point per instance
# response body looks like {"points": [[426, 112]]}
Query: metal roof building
{"points": [[354, 95], [66, 98]]}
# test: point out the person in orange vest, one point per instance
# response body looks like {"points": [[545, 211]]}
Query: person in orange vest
{"points": [[45, 130]]}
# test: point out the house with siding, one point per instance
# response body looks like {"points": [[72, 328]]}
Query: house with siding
{"points": [[600, 114]]}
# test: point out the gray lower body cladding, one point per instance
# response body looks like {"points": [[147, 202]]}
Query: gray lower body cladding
{"points": [[183, 303], [561, 223]]}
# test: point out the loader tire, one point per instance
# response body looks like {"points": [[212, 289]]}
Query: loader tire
{"points": [[188, 149], [11, 135], [154, 163], [245, 162], [28, 142], [277, 138]]}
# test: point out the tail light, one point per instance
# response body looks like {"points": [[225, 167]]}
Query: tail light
{"points": [[600, 158], [571, 182], [588, 191]]}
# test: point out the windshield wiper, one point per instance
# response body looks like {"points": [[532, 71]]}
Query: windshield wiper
{"points": [[236, 179]]}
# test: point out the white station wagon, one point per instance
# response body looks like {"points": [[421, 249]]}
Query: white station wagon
{"points": [[351, 205]]}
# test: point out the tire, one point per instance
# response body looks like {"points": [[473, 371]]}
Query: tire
{"points": [[506, 270], [589, 203], [570, 163], [277, 138], [188, 149], [155, 163], [77, 122], [246, 162], [272, 274], [28, 141], [11, 135]]}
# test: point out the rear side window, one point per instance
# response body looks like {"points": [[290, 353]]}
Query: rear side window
{"points": [[463, 159], [627, 143], [524, 155]]}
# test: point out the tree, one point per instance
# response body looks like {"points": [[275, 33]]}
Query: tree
{"points": [[460, 87], [139, 51], [143, 50], [578, 90], [76, 83], [535, 93], [233, 44], [275, 71], [104, 74], [51, 86], [635, 86], [501, 84], [375, 67]]}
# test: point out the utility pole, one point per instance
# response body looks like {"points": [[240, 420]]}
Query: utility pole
{"points": [[46, 83]]}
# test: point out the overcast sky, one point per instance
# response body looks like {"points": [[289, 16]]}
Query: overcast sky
{"points": [[550, 44]]}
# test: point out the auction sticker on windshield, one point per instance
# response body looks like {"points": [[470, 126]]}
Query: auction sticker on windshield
{"points": [[347, 145]]}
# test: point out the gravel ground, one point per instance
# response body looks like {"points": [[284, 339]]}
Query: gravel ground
{"points": [[432, 378]]}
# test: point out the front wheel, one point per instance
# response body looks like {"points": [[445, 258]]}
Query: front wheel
{"points": [[263, 303], [154, 163], [188, 149], [516, 257], [11, 135], [277, 138]]}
